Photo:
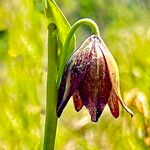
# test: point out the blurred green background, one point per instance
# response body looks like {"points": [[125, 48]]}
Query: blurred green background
{"points": [[125, 28]]}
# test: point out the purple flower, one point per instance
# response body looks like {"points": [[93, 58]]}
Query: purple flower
{"points": [[91, 76]]}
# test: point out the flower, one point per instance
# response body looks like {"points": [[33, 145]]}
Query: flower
{"points": [[91, 76]]}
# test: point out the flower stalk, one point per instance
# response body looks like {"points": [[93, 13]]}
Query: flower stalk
{"points": [[51, 98]]}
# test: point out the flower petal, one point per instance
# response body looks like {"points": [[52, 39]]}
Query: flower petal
{"points": [[113, 73], [73, 74], [78, 102], [113, 104], [96, 86]]}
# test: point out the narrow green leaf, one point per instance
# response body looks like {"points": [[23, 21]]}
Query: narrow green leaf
{"points": [[63, 27]]}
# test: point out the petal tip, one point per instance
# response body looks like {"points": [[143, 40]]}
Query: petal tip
{"points": [[78, 102], [116, 116], [60, 109], [96, 117], [126, 108], [131, 113], [58, 114], [94, 120]]}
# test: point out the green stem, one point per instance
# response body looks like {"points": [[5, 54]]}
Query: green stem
{"points": [[76, 25], [66, 52], [51, 101]]}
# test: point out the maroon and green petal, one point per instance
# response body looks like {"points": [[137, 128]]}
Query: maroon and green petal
{"points": [[114, 74], [73, 75], [78, 102]]}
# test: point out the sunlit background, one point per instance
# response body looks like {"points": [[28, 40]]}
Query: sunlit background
{"points": [[125, 28]]}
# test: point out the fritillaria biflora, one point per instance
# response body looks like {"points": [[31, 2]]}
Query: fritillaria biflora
{"points": [[91, 76]]}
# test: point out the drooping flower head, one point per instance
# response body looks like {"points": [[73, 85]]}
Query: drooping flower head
{"points": [[91, 76]]}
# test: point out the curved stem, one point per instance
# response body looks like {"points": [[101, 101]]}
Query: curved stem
{"points": [[76, 25], [66, 52]]}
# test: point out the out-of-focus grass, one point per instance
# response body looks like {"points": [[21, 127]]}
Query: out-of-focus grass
{"points": [[125, 27], [22, 69]]}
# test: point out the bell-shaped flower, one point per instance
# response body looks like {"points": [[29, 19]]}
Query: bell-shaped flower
{"points": [[91, 76]]}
